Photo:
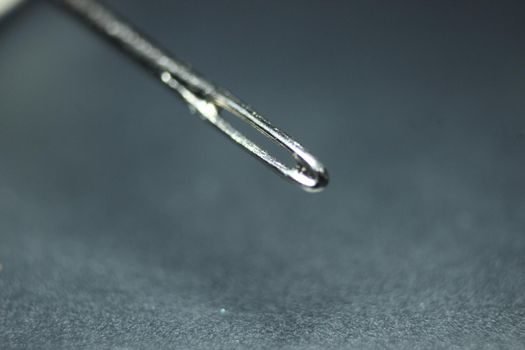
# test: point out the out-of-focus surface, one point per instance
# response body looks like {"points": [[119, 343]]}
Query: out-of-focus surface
{"points": [[7, 6], [127, 222]]}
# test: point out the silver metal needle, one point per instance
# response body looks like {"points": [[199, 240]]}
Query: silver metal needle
{"points": [[201, 95]]}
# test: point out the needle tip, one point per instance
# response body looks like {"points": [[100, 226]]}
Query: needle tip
{"points": [[321, 181]]}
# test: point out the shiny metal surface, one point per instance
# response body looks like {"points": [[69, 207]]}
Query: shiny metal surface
{"points": [[202, 96]]}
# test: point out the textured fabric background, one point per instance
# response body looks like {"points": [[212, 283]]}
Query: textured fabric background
{"points": [[126, 222]]}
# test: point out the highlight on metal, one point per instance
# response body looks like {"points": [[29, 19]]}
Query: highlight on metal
{"points": [[201, 95]]}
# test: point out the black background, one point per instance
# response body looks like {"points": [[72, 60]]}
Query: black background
{"points": [[125, 221]]}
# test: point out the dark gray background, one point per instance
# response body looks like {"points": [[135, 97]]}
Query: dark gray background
{"points": [[127, 222]]}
